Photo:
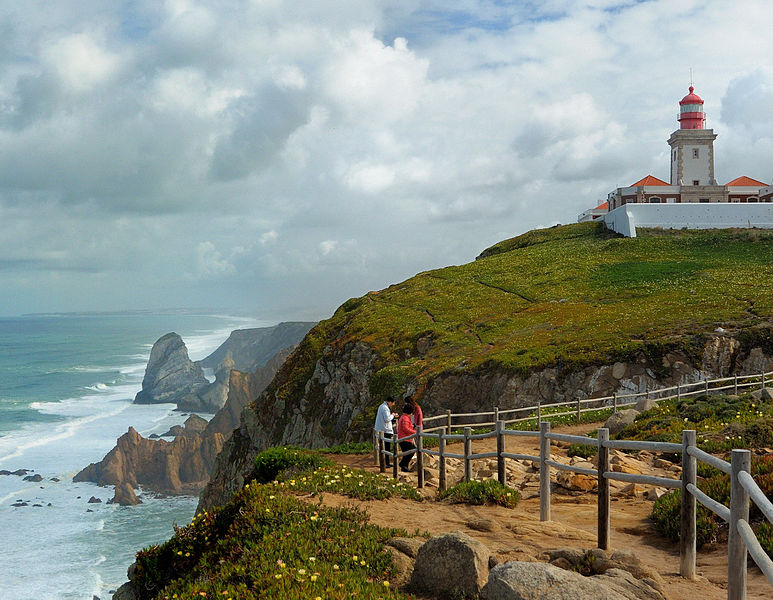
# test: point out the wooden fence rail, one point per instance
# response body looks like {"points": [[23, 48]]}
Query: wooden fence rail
{"points": [[741, 540]]}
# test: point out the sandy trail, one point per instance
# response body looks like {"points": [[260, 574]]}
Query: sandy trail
{"points": [[519, 535]]}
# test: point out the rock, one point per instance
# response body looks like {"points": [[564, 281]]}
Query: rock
{"points": [[20, 472], [154, 436], [408, 546], [618, 370], [55, 479], [451, 564], [403, 567], [126, 592], [633, 490], [252, 349], [170, 375], [576, 481], [644, 404], [539, 581], [620, 420], [762, 394], [482, 525], [124, 495], [20, 503], [34, 478], [4, 472], [94, 500], [174, 431]]}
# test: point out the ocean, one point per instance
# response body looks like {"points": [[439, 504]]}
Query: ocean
{"points": [[66, 388]]}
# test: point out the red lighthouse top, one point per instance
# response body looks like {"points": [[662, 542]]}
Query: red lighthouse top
{"points": [[691, 115]]}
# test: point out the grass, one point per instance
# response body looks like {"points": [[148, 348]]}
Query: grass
{"points": [[567, 296], [481, 492], [267, 544]]}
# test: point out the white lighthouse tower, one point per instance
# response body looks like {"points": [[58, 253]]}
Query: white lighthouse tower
{"points": [[692, 146]]}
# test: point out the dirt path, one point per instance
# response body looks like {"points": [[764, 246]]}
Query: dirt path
{"points": [[518, 534]]}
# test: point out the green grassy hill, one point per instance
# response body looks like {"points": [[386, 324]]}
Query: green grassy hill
{"points": [[575, 294]]}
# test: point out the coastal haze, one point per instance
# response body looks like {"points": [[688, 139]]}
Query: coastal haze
{"points": [[289, 155]]}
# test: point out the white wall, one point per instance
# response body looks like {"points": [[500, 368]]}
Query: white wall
{"points": [[627, 218]]}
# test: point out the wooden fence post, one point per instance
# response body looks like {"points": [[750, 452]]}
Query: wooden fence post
{"points": [[602, 465], [544, 471], [678, 391], [739, 509], [395, 453], [687, 535], [467, 453], [501, 472], [578, 410], [735, 385], [496, 414], [706, 385], [441, 448], [375, 447], [762, 380], [448, 422], [614, 402], [539, 412], [419, 457], [381, 457]]}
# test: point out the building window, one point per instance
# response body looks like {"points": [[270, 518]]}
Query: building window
{"points": [[703, 200], [752, 199], [696, 182], [695, 153], [735, 199], [674, 154], [655, 200]]}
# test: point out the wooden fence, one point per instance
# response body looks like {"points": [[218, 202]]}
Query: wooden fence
{"points": [[743, 487]]}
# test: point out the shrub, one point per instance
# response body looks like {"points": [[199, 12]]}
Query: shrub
{"points": [[666, 516], [349, 448], [267, 544], [270, 463], [354, 483], [481, 492], [582, 450]]}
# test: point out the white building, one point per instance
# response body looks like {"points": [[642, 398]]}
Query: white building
{"points": [[692, 181]]}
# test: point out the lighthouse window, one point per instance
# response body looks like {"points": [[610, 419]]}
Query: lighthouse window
{"points": [[695, 153]]}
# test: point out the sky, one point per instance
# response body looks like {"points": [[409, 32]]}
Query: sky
{"points": [[280, 157]]}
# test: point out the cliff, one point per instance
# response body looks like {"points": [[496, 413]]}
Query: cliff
{"points": [[183, 465], [170, 376], [250, 349], [563, 313]]}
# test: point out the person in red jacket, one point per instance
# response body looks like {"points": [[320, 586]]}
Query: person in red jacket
{"points": [[405, 428], [418, 416]]}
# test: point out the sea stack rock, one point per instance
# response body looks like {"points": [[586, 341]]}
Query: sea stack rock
{"points": [[170, 375]]}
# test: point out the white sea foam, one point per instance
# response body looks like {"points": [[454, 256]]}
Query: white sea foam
{"points": [[74, 553]]}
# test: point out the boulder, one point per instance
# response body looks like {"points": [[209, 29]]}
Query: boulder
{"points": [[95, 500], [170, 375], [35, 478], [408, 546], [576, 481], [644, 404], [126, 592], [124, 495], [403, 565], [539, 581], [762, 394], [450, 565], [620, 420]]}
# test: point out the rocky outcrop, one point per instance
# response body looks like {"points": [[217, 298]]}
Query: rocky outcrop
{"points": [[178, 467], [194, 425], [251, 349], [620, 420], [124, 495], [451, 565], [171, 376], [323, 397], [539, 581]]}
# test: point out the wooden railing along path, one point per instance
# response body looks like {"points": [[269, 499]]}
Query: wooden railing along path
{"points": [[743, 487]]}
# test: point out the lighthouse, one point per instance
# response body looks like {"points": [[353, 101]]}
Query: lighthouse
{"points": [[692, 145]]}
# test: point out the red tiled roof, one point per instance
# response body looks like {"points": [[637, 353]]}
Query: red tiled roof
{"points": [[602, 206], [649, 180], [743, 180]]}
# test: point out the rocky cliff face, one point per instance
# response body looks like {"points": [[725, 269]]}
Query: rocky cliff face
{"points": [[181, 466], [251, 349], [171, 376], [333, 402]]}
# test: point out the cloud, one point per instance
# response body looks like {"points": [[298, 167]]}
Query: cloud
{"points": [[287, 156]]}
